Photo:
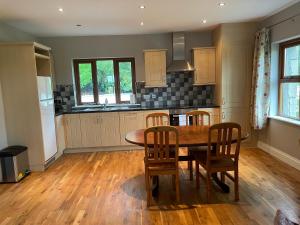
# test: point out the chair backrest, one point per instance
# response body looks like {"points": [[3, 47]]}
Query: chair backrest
{"points": [[160, 149], [223, 136], [199, 118], [157, 119]]}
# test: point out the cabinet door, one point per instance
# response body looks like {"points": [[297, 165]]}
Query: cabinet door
{"points": [[130, 121], [205, 66], [110, 129], [60, 134], [237, 115], [90, 129], [73, 131], [155, 68], [236, 76]]}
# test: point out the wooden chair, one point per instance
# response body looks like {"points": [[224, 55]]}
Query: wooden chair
{"points": [[199, 118], [157, 119], [221, 155], [163, 161]]}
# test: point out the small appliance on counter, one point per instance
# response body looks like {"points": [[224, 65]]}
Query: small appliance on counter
{"points": [[14, 165]]}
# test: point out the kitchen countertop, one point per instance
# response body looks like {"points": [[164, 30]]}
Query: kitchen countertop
{"points": [[128, 108]]}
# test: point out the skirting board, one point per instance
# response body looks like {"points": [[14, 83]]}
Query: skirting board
{"points": [[279, 154], [103, 149]]}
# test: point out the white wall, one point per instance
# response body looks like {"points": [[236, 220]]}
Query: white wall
{"points": [[65, 49], [281, 135], [8, 34]]}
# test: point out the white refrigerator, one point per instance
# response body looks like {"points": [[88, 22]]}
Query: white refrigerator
{"points": [[47, 116]]}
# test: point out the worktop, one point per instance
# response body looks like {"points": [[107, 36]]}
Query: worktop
{"points": [[127, 108]]}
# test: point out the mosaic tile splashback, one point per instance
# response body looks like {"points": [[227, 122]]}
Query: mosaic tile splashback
{"points": [[180, 91], [64, 97]]}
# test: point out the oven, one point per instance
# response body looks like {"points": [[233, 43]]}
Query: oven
{"points": [[178, 118]]}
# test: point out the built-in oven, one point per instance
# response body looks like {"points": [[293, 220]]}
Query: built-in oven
{"points": [[178, 117]]}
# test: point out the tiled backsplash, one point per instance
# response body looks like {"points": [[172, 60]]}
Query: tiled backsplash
{"points": [[64, 97], [180, 91]]}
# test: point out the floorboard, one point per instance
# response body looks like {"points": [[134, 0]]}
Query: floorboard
{"points": [[108, 188]]}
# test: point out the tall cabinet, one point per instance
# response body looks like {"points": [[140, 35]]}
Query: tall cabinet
{"points": [[20, 64], [234, 55]]}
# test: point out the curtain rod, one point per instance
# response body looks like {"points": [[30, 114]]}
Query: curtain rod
{"points": [[289, 18]]}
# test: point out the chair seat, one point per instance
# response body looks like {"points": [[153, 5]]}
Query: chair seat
{"points": [[201, 156]]}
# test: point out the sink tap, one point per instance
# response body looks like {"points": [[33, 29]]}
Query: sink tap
{"points": [[106, 102]]}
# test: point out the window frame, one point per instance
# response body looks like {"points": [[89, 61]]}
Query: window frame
{"points": [[93, 61], [285, 79]]}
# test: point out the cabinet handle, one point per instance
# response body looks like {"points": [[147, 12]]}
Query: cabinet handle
{"points": [[223, 101], [223, 115]]}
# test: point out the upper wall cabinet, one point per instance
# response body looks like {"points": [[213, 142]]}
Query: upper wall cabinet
{"points": [[155, 67], [205, 66], [42, 59]]}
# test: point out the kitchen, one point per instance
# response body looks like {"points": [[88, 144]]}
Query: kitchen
{"points": [[104, 83]]}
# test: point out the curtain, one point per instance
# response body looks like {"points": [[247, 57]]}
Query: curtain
{"points": [[260, 96]]}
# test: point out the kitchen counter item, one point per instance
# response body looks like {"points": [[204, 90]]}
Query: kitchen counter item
{"points": [[14, 164]]}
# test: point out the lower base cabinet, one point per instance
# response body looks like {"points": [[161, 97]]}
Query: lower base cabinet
{"points": [[60, 134], [214, 115], [237, 115], [73, 131]]}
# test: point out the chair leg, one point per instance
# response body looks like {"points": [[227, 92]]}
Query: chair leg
{"points": [[223, 177], [191, 169], [236, 184], [177, 187], [208, 186], [174, 181], [148, 187], [197, 175]]}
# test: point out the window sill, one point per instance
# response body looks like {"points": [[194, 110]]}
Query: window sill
{"points": [[287, 120]]}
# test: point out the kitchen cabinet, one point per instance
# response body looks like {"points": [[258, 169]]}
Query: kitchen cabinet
{"points": [[234, 54], [205, 66], [73, 131], [90, 129], [130, 121], [110, 129], [214, 115], [155, 67], [60, 135]]}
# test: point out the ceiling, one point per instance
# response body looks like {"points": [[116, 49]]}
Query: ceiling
{"points": [[105, 17]]}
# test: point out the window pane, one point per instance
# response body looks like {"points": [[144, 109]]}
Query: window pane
{"points": [[86, 82], [125, 80], [106, 81], [292, 61], [290, 93]]}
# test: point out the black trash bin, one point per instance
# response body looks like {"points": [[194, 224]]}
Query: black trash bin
{"points": [[14, 164]]}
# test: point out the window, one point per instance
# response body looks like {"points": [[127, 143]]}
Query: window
{"points": [[100, 79], [289, 81]]}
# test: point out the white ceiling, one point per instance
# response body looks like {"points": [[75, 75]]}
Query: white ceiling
{"points": [[103, 17]]}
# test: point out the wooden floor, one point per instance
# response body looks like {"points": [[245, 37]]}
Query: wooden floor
{"points": [[108, 188]]}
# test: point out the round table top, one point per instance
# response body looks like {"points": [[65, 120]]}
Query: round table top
{"points": [[188, 136]]}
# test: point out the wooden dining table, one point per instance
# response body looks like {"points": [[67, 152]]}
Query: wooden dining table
{"points": [[189, 136]]}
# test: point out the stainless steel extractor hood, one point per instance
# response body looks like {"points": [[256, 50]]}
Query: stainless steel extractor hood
{"points": [[179, 63]]}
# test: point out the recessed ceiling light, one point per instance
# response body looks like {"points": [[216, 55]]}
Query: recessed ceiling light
{"points": [[204, 21], [221, 4], [142, 23], [60, 9], [142, 6]]}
